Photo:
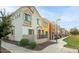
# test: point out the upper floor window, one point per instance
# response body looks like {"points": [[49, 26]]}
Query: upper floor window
{"points": [[17, 16], [45, 24], [38, 21], [13, 30], [28, 17]]}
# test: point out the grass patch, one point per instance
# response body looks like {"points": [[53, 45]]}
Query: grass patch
{"points": [[72, 41]]}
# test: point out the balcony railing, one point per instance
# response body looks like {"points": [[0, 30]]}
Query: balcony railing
{"points": [[27, 23], [42, 36]]}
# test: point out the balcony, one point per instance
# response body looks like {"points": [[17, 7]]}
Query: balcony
{"points": [[27, 23]]}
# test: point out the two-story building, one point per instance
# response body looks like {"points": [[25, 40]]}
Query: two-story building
{"points": [[51, 30], [43, 30], [27, 23]]}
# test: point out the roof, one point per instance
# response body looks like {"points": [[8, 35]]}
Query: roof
{"points": [[26, 7]]}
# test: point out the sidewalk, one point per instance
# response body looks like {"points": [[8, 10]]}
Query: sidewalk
{"points": [[59, 48], [15, 49], [54, 48]]}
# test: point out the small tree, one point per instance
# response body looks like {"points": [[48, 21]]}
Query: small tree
{"points": [[74, 31], [5, 25]]}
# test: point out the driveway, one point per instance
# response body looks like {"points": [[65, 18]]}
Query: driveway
{"points": [[54, 48]]}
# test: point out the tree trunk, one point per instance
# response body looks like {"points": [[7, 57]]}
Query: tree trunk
{"points": [[0, 45], [78, 50]]}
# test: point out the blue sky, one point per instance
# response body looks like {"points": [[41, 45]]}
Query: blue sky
{"points": [[69, 15]]}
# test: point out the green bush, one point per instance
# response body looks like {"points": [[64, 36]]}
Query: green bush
{"points": [[33, 45], [74, 31], [6, 38], [24, 42]]}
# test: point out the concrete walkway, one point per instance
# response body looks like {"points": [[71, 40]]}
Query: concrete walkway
{"points": [[14, 48], [54, 48], [59, 48]]}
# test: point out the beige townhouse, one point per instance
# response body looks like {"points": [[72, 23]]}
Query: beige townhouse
{"points": [[27, 23]]}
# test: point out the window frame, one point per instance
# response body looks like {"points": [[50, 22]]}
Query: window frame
{"points": [[30, 31], [29, 17]]}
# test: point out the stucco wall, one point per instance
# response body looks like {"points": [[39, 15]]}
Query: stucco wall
{"points": [[17, 23], [21, 30]]}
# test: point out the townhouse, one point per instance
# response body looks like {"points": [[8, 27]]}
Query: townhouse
{"points": [[27, 23], [51, 30], [43, 30], [64, 32]]}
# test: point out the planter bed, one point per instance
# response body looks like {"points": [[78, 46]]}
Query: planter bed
{"points": [[3, 50], [38, 47]]}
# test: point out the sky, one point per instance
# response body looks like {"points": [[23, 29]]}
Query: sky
{"points": [[69, 15]]}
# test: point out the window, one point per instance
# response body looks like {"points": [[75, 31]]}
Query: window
{"points": [[31, 31], [39, 33], [17, 16], [13, 30], [27, 17], [38, 21], [45, 24], [46, 34], [42, 32]]}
